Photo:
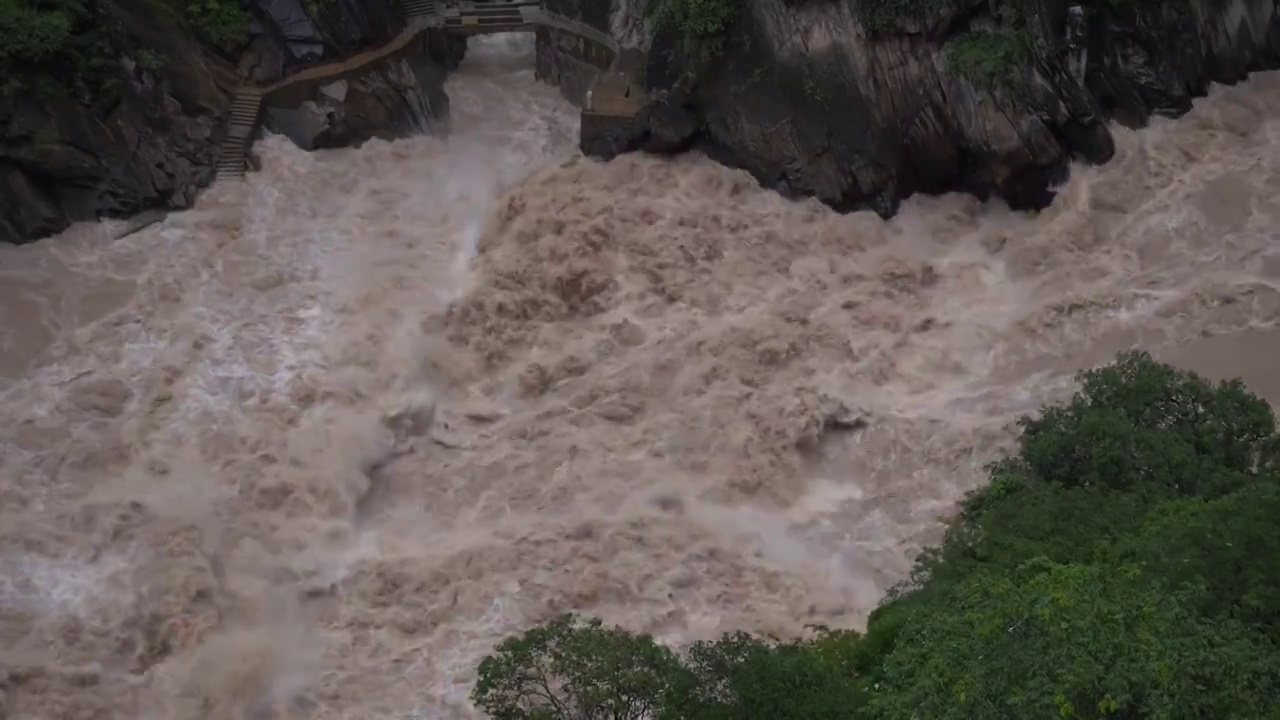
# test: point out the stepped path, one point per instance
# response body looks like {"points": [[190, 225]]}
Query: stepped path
{"points": [[463, 18]]}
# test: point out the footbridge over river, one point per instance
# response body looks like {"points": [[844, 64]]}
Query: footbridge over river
{"points": [[613, 95]]}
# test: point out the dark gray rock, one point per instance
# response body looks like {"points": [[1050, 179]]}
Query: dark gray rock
{"points": [[673, 122], [403, 97], [348, 25], [555, 66], [608, 137], [302, 124], [152, 142], [407, 98], [824, 98], [28, 208]]}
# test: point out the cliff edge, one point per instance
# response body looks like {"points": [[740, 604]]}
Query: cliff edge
{"points": [[112, 107], [864, 102]]}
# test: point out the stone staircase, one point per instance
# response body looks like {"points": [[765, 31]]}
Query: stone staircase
{"points": [[246, 109], [418, 10], [243, 123], [487, 17]]}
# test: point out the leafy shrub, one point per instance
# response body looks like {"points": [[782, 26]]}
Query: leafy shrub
{"points": [[35, 33], [74, 43], [570, 669], [1122, 564], [1052, 640], [695, 19], [1218, 555], [740, 676], [699, 25], [1138, 425], [991, 59]]}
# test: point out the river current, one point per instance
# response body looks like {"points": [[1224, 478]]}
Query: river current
{"points": [[310, 448]]}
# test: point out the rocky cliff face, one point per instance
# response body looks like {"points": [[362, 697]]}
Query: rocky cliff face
{"points": [[146, 139], [406, 96], [147, 136], [863, 102]]}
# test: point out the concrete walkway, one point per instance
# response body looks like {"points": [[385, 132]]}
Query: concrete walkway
{"points": [[464, 18]]}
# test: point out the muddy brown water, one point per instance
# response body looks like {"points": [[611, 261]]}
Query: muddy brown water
{"points": [[312, 447]]}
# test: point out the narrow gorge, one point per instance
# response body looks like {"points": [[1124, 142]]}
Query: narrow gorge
{"points": [[715, 340], [860, 103]]}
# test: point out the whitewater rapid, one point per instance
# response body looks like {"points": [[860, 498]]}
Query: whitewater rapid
{"points": [[312, 447]]}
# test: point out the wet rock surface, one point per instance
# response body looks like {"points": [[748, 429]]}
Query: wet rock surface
{"points": [[862, 104], [148, 137]]}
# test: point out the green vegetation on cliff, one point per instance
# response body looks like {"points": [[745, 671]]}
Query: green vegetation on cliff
{"points": [[220, 22], [45, 39], [991, 59], [78, 43], [700, 24], [883, 16], [998, 54], [1121, 564], [700, 19]]}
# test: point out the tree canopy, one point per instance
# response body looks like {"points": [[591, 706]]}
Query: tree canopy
{"points": [[1119, 565]]}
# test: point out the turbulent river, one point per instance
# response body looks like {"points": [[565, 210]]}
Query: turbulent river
{"points": [[312, 447]]}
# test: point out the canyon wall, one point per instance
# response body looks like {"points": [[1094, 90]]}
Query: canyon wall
{"points": [[134, 121], [857, 102], [863, 102]]}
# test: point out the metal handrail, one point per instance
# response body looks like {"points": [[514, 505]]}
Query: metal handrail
{"points": [[415, 27], [556, 20]]}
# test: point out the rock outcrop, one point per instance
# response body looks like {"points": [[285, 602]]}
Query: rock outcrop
{"points": [[147, 135], [148, 139], [864, 102], [405, 96]]}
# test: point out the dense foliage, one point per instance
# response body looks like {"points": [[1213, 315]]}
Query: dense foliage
{"points": [[1121, 564], [991, 59], [51, 39], [224, 23], [699, 19], [76, 43], [699, 25]]}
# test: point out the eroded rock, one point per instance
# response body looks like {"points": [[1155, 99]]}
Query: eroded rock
{"points": [[861, 104]]}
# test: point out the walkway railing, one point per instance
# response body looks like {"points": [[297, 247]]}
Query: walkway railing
{"points": [[420, 15]]}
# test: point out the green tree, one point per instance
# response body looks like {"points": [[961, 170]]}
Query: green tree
{"points": [[1141, 426], [1121, 564], [574, 669], [1137, 434], [740, 677], [1220, 555], [36, 32], [698, 25], [77, 44], [1053, 640]]}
